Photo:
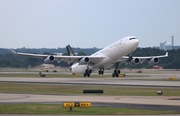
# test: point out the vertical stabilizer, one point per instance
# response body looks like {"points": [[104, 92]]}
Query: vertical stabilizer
{"points": [[70, 51]]}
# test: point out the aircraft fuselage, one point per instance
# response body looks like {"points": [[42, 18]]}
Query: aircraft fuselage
{"points": [[111, 54]]}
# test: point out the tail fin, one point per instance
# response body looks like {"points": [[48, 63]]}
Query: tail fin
{"points": [[70, 51]]}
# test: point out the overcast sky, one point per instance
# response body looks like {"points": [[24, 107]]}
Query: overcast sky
{"points": [[87, 23]]}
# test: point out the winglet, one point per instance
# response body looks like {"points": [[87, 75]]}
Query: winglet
{"points": [[166, 54], [13, 51]]}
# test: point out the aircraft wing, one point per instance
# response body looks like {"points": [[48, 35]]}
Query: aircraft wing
{"points": [[69, 59], [141, 59], [72, 59], [30, 55]]}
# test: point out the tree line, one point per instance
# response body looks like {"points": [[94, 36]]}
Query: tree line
{"points": [[7, 59]]}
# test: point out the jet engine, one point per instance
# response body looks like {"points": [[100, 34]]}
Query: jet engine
{"points": [[134, 61], [153, 61], [84, 60], [49, 59]]}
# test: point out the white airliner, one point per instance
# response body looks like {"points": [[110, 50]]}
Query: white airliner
{"points": [[113, 54]]}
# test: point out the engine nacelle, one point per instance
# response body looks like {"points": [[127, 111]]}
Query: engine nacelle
{"points": [[84, 60], [49, 59], [153, 61], [134, 61]]}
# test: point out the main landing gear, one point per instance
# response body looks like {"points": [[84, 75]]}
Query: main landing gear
{"points": [[87, 73], [101, 71], [116, 71]]}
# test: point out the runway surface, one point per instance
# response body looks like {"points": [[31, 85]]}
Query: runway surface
{"points": [[94, 81]]}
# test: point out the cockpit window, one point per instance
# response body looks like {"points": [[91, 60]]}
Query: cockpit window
{"points": [[132, 38]]}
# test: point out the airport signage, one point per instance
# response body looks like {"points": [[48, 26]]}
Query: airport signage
{"points": [[68, 104], [76, 104], [85, 104]]}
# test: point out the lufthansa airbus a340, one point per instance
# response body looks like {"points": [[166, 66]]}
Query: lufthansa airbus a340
{"points": [[113, 54]]}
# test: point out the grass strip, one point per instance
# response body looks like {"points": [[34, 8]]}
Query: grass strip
{"points": [[58, 109], [78, 89]]}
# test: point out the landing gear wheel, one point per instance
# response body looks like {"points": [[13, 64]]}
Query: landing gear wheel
{"points": [[84, 74], [113, 75], [101, 71], [87, 73], [116, 73]]}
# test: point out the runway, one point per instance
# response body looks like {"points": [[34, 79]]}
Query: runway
{"points": [[142, 102], [94, 81]]}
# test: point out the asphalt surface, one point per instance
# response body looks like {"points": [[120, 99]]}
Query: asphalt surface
{"points": [[93, 81], [143, 100]]}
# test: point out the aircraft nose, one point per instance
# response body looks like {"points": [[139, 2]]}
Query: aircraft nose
{"points": [[134, 44], [137, 42]]}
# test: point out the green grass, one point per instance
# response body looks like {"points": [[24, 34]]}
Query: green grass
{"points": [[58, 109], [78, 89]]}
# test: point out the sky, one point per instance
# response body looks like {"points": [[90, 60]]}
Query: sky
{"points": [[87, 23]]}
